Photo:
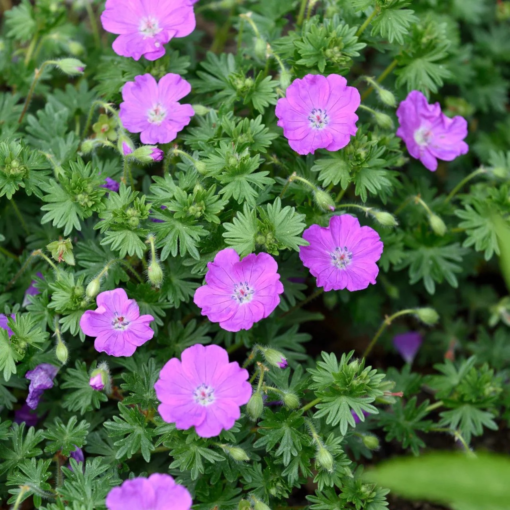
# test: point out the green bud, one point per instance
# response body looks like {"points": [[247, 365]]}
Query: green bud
{"points": [[385, 218], [100, 378], [386, 97], [324, 200], [499, 172], [244, 505], [371, 442], [75, 48], [61, 352], [383, 120], [260, 506], [235, 452], [255, 406], [325, 459], [200, 110], [260, 48], [200, 166], [437, 225], [88, 146], [145, 154], [155, 274], [291, 400], [285, 79], [93, 288], [62, 250], [274, 357], [427, 315], [71, 66]]}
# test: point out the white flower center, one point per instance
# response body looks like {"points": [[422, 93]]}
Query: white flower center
{"points": [[120, 323], [149, 27], [341, 257], [422, 136], [243, 293], [318, 118], [156, 114], [204, 395]]}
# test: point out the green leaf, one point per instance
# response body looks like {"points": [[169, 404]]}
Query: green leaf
{"points": [[393, 23], [332, 171], [241, 233], [8, 355], [20, 21], [66, 438], [449, 478], [22, 447]]}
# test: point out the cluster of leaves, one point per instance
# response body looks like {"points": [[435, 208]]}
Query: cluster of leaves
{"points": [[231, 180]]}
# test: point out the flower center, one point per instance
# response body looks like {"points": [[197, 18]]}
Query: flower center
{"points": [[120, 323], [204, 395], [149, 27], [243, 293], [341, 257], [422, 136], [156, 114], [318, 118]]}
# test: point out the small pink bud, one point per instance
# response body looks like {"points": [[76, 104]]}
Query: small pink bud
{"points": [[126, 149], [96, 382], [157, 154]]}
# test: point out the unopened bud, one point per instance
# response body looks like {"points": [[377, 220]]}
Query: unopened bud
{"points": [[147, 154], [61, 352], [155, 274], [75, 48], [93, 288], [87, 146], [291, 400], [274, 357], [96, 382], [235, 452], [385, 218], [200, 166], [71, 66], [126, 147], [383, 120], [260, 48], [324, 200], [371, 442], [325, 459], [427, 315], [260, 506], [100, 378], [386, 97], [200, 109], [437, 225], [255, 406], [62, 250], [285, 79]]}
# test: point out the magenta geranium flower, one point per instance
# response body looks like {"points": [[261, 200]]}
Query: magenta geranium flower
{"points": [[342, 255], [25, 415], [32, 290], [117, 324], [4, 321], [318, 113], [430, 135], [203, 391], [408, 345], [239, 293], [145, 26], [158, 492], [41, 379], [152, 108], [111, 184]]}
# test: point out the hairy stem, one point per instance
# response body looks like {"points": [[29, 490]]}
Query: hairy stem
{"points": [[302, 10], [7, 253], [93, 24], [362, 28], [310, 405], [459, 186], [381, 78], [37, 75], [20, 216]]}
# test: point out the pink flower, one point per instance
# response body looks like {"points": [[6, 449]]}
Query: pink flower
{"points": [[429, 134], [127, 149], [4, 321], [204, 390], [318, 113], [408, 344], [239, 293], [152, 108], [117, 325], [157, 154], [111, 184], [41, 379], [96, 382], [144, 26], [158, 492], [342, 255]]}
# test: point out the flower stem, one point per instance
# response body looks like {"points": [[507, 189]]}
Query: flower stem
{"points": [[130, 268], [93, 24], [31, 48], [37, 75], [310, 405], [362, 28], [402, 205], [381, 78], [22, 491], [431, 407], [89, 118], [302, 10], [340, 195], [317, 293], [20, 272], [356, 206], [387, 322], [40, 253], [289, 180], [457, 188], [20, 216], [7, 253]]}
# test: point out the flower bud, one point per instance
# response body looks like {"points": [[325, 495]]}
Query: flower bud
{"points": [[62, 250], [325, 459], [260, 48], [386, 97], [383, 120], [157, 154], [291, 400], [235, 452], [274, 357], [125, 146], [100, 378], [385, 218], [260, 506], [255, 406], [155, 274], [371, 442], [88, 146], [96, 382], [324, 200], [200, 109], [437, 225], [147, 154], [61, 352], [75, 48], [285, 79], [200, 166], [71, 66], [93, 288], [427, 315]]}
